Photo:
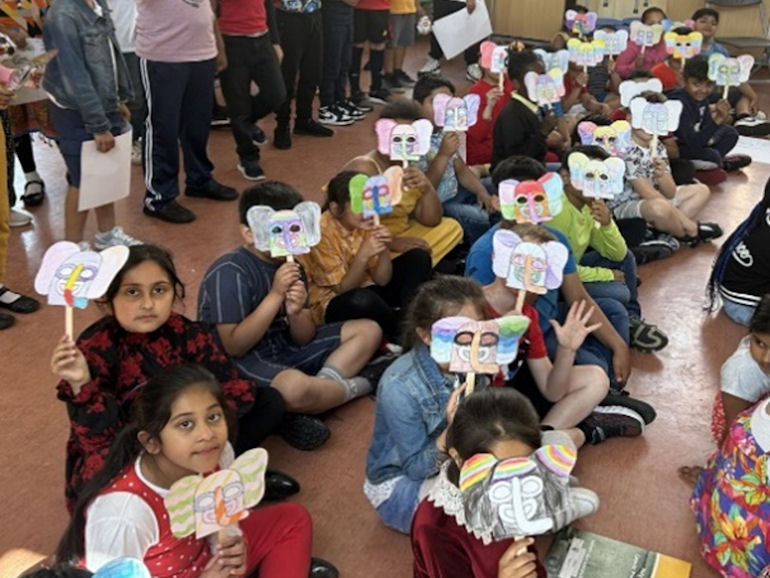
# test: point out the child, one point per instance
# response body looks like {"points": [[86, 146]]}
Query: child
{"points": [[402, 28], [463, 196], [705, 136], [650, 191], [632, 58], [493, 100], [669, 72], [608, 269], [112, 360], [741, 272], [88, 94], [416, 400], [417, 221], [371, 26], [443, 8], [350, 272], [179, 428], [259, 305]]}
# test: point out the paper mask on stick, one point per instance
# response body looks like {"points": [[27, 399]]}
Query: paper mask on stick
{"points": [[597, 179], [580, 24], [532, 267], [614, 42], [403, 142], [683, 46], [630, 89], [377, 195], [655, 118], [545, 89], [585, 54], [207, 505], [494, 57], [477, 346], [456, 114], [123, 568], [285, 233], [615, 138], [644, 35], [730, 71], [551, 60], [532, 201]]}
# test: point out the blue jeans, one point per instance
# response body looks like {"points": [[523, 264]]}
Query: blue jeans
{"points": [[626, 293], [741, 314], [465, 209], [721, 143], [398, 510]]}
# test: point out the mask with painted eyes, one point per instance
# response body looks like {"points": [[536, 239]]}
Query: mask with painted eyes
{"points": [[526, 266], [580, 23], [595, 178], [403, 142], [615, 139], [287, 235], [224, 504], [287, 232], [614, 42], [545, 89], [493, 57], [585, 53], [456, 114], [655, 118], [532, 201], [730, 71], [683, 46], [376, 195], [645, 35], [73, 278]]}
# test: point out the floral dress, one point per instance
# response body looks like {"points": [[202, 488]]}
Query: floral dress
{"points": [[731, 502]]}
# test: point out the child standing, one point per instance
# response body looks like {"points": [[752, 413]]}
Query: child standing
{"points": [[443, 8], [179, 428], [350, 272], [88, 93], [493, 101], [402, 30], [371, 25]]}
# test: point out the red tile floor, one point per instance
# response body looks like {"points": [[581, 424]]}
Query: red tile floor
{"points": [[643, 502]]}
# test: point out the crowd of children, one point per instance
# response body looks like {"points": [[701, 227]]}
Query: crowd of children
{"points": [[421, 228]]}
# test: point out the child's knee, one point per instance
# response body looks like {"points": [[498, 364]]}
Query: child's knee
{"points": [[296, 389], [593, 379], [658, 209], [364, 331]]}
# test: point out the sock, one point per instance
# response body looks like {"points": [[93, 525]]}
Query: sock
{"points": [[376, 58], [355, 69], [354, 387], [32, 176], [8, 296]]}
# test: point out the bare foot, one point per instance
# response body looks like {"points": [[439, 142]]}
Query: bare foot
{"points": [[690, 474]]}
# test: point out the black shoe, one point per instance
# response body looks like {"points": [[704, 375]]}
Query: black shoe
{"points": [[361, 101], [320, 568], [282, 137], [405, 79], [6, 321], [646, 337], [353, 111], [393, 83], [650, 251], [709, 231], [375, 368], [312, 128], [623, 399], [251, 170], [258, 136], [279, 486], [733, 163], [214, 191], [22, 304], [380, 96], [612, 421], [219, 116], [171, 212], [304, 432]]}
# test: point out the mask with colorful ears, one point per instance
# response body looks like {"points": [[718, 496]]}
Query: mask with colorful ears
{"points": [[644, 34], [630, 89], [456, 114], [403, 142], [730, 71], [284, 233], [551, 60], [531, 267], [123, 568], [532, 201], [585, 53], [71, 277], [545, 89], [205, 505], [581, 24], [683, 46], [614, 42], [597, 179], [377, 195], [615, 138], [655, 118], [494, 57], [522, 496], [470, 346]]}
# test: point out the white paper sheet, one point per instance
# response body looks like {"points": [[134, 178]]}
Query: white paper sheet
{"points": [[757, 148], [460, 30], [105, 177]]}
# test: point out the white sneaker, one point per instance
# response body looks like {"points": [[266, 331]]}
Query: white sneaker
{"points": [[84, 246], [431, 65], [136, 151], [115, 236], [473, 72], [334, 116], [19, 218]]}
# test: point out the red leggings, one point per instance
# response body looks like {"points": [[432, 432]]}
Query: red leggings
{"points": [[278, 541]]}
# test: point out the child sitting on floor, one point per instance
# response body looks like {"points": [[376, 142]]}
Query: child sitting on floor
{"points": [[633, 58]]}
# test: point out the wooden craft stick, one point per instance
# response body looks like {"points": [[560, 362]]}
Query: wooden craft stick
{"points": [[376, 220], [725, 92], [654, 147], [520, 301], [501, 81], [69, 322], [470, 383], [290, 258], [643, 49]]}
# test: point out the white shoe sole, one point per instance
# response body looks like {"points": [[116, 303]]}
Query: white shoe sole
{"points": [[248, 177], [337, 122]]}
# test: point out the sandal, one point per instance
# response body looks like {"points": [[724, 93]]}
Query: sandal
{"points": [[22, 304], [35, 197]]}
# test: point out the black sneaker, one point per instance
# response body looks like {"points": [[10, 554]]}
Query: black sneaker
{"points": [[392, 83], [709, 231], [361, 101], [375, 368], [258, 136], [351, 109], [650, 251], [219, 116], [279, 486], [304, 432], [334, 115], [282, 137], [405, 79], [312, 128], [612, 421], [320, 568], [213, 190], [752, 126], [251, 170], [623, 399], [380, 96], [735, 162], [645, 337], [171, 212]]}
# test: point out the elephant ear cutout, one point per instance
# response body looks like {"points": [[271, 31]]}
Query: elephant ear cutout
{"points": [[356, 188], [475, 470], [180, 505], [440, 102], [394, 176], [251, 467], [258, 217], [557, 458]]}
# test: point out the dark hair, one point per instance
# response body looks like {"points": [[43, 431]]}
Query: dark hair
{"points": [[427, 83], [138, 254], [488, 416], [528, 231], [701, 12], [652, 10], [401, 108], [439, 298], [150, 412], [58, 571], [591, 151], [338, 189], [684, 30], [739, 234], [517, 167], [274, 194], [653, 97], [640, 73], [760, 321], [696, 68], [519, 63], [597, 119]]}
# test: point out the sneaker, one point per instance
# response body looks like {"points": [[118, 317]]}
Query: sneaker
{"points": [[219, 116], [709, 231], [431, 66], [473, 72], [654, 250], [405, 79], [361, 101], [392, 83], [612, 421], [583, 502], [213, 190], [312, 128], [19, 218], [113, 238], [733, 163], [251, 170], [351, 109], [282, 137], [711, 177], [258, 136], [752, 126], [623, 399], [645, 337], [304, 432], [334, 115], [171, 212], [380, 96], [375, 368], [136, 151]]}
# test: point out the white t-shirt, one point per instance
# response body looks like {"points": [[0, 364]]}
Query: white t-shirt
{"points": [[123, 14], [742, 377]]}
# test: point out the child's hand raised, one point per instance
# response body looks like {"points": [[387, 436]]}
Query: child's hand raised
{"points": [[372, 246], [575, 329], [450, 144], [295, 299], [600, 212], [660, 168], [229, 560], [493, 96], [69, 363], [286, 275], [383, 234], [415, 179], [721, 112]]}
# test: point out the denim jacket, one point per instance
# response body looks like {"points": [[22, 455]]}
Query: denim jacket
{"points": [[82, 76], [411, 414]]}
